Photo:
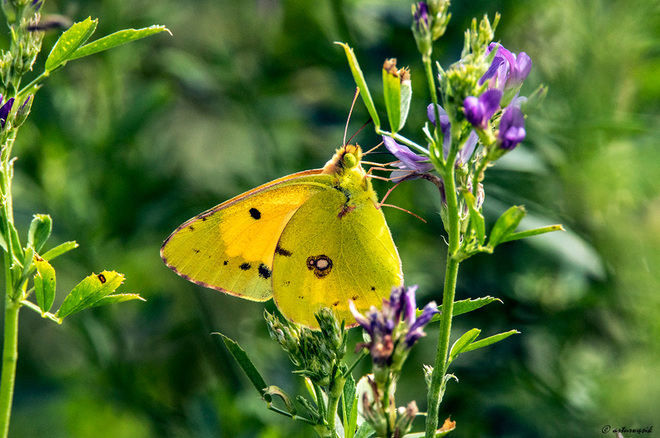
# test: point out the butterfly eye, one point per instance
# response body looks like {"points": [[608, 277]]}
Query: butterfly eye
{"points": [[350, 161]]}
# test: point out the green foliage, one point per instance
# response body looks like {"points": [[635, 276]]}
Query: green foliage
{"points": [[246, 92]]}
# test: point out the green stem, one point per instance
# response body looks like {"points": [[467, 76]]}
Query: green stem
{"points": [[437, 386], [334, 393], [9, 358]]}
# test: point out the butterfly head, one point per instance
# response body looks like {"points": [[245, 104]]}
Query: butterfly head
{"points": [[347, 158]]}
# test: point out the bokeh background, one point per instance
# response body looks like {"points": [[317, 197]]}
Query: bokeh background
{"points": [[124, 146]]}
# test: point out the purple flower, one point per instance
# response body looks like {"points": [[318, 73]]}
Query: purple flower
{"points": [[478, 111], [507, 71], [395, 328], [4, 111], [445, 127], [421, 15], [409, 162], [512, 128]]}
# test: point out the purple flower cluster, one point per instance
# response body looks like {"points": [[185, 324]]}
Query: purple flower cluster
{"points": [[395, 328], [505, 74]]}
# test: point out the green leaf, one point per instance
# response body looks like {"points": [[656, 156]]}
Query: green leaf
{"points": [[361, 83], [462, 342], [44, 284], [247, 366], [534, 232], [59, 250], [465, 306], [349, 406], [117, 39], [69, 42], [489, 341], [39, 232], [117, 298], [365, 431], [89, 291], [506, 225]]}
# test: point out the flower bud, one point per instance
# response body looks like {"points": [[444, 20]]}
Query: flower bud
{"points": [[398, 93], [23, 111]]}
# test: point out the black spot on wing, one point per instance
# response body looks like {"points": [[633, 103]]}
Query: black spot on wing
{"points": [[225, 263], [264, 272], [281, 251], [255, 214], [245, 266]]}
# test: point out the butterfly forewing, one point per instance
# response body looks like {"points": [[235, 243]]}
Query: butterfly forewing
{"points": [[231, 247]]}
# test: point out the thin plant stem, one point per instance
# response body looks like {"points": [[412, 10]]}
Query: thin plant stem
{"points": [[9, 358], [438, 381], [334, 393]]}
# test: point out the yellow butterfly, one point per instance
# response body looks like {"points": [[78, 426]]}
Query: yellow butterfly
{"points": [[310, 240]]}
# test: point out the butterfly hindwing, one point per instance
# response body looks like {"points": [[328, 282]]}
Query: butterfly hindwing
{"points": [[231, 246], [333, 247]]}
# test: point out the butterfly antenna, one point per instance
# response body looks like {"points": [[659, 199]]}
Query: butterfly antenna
{"points": [[350, 113]]}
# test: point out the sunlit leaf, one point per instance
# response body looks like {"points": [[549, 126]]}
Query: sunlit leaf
{"points": [[117, 298], [89, 291], [59, 250], [116, 39], [69, 42], [44, 284]]}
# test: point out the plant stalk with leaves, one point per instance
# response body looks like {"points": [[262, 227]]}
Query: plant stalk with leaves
{"points": [[27, 269], [477, 117]]}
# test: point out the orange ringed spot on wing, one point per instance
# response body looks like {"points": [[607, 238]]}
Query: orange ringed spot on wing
{"points": [[101, 278], [320, 265]]}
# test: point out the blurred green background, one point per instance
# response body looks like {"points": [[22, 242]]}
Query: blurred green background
{"points": [[124, 146]]}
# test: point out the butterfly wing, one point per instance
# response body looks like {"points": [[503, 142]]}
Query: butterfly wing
{"points": [[329, 253], [230, 247]]}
